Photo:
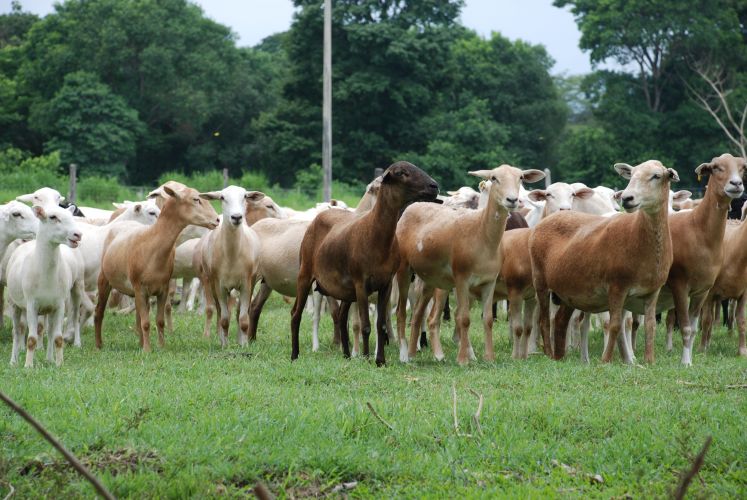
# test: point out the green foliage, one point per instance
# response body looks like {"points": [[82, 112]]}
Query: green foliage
{"points": [[587, 152], [21, 173], [309, 181], [254, 180], [89, 126], [102, 190], [201, 181], [193, 420]]}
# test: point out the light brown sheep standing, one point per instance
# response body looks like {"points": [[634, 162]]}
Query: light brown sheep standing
{"points": [[350, 256], [138, 260], [595, 263], [456, 248]]}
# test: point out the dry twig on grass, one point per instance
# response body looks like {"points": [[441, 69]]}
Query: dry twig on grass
{"points": [[11, 490], [100, 488], [688, 476], [476, 416], [370, 407]]}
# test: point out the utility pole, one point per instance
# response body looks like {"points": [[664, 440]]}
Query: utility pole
{"points": [[327, 102], [72, 192]]}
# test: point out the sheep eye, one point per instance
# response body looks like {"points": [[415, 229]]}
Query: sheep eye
{"points": [[54, 218], [548, 195], [222, 198], [196, 200], [655, 176], [16, 214]]}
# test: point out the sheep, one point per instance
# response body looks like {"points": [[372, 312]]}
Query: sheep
{"points": [[39, 281], [595, 263], [17, 221], [463, 197], [262, 208], [560, 196], [731, 283], [230, 257], [450, 248], [698, 240], [42, 197], [350, 256], [138, 260]]}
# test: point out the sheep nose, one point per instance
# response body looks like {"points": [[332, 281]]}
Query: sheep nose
{"points": [[433, 185], [627, 199], [512, 200], [236, 219], [736, 182], [77, 235]]}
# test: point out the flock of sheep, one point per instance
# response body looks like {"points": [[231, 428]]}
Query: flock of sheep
{"points": [[557, 255]]}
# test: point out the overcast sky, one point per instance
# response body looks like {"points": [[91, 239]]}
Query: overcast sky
{"points": [[535, 21]]}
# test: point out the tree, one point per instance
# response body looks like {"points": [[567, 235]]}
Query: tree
{"points": [[89, 125], [652, 34]]}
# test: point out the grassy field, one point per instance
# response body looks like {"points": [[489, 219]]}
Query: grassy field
{"points": [[195, 420]]}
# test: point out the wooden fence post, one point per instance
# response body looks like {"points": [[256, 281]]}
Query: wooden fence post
{"points": [[72, 194], [225, 178]]}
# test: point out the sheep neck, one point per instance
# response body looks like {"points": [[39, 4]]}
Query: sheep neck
{"points": [[384, 217], [163, 234], [710, 215], [653, 227], [493, 219], [47, 254], [229, 236]]}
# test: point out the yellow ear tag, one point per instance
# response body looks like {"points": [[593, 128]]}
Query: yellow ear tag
{"points": [[699, 177]]}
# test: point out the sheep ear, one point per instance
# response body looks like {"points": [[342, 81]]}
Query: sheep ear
{"points": [[39, 212], [138, 208], [537, 195], [617, 195], [453, 193], [71, 208], [168, 191], [704, 168], [155, 193], [584, 193], [625, 170], [118, 205], [26, 198], [212, 195], [682, 195], [254, 195], [532, 175], [482, 174], [673, 175]]}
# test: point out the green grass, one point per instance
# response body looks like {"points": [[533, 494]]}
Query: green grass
{"points": [[194, 420]]}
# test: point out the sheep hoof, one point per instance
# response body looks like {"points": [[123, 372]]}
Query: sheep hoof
{"points": [[439, 356], [423, 340]]}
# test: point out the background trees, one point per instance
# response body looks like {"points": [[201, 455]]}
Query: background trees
{"points": [[136, 88]]}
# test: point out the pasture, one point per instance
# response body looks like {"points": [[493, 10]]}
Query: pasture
{"points": [[195, 420]]}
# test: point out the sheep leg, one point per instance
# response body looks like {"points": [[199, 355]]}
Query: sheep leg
{"points": [[434, 322], [487, 319], [706, 322], [194, 287], [462, 320], [616, 300], [342, 318], [316, 314], [17, 313], [138, 328], [361, 299], [303, 287], [649, 324], [560, 329], [530, 307], [162, 301], [50, 338], [584, 337], [634, 331], [731, 313], [543, 300], [104, 289], [334, 311], [739, 315], [623, 344], [55, 332], [256, 310], [169, 306], [245, 299], [356, 330], [680, 293], [221, 297], [417, 318], [32, 319], [2, 304], [403, 286], [382, 318], [142, 305], [696, 306], [209, 305], [671, 318]]}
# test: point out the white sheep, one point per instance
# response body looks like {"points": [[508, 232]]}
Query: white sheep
{"points": [[40, 279]]}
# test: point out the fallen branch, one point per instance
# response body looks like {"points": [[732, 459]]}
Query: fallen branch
{"points": [[679, 493], [476, 416], [100, 488], [737, 386], [370, 407], [261, 492], [11, 490]]}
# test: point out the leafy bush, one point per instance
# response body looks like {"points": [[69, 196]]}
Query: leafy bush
{"points": [[201, 181], [101, 190], [22, 173], [256, 181], [309, 181]]}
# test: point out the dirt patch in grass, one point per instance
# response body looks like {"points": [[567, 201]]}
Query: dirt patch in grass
{"points": [[116, 462], [293, 485]]}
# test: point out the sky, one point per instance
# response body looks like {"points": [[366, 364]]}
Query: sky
{"points": [[535, 21]]}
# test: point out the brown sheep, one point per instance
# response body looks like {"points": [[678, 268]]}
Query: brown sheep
{"points": [[351, 256]]}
